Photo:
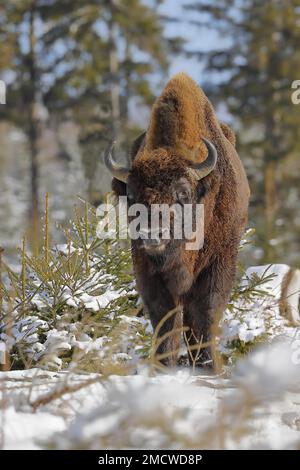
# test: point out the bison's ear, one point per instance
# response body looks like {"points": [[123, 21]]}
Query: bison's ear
{"points": [[118, 187], [228, 132], [137, 145]]}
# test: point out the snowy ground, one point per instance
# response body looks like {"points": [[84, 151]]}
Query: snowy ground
{"points": [[254, 404], [258, 406]]}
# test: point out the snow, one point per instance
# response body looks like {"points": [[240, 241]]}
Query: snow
{"points": [[248, 321], [293, 297], [258, 318], [254, 403], [81, 297], [258, 406], [272, 286], [22, 430], [96, 302], [47, 340]]}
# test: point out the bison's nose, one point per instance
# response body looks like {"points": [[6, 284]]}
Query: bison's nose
{"points": [[153, 240], [153, 246]]}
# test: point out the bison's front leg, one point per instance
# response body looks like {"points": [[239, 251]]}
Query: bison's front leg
{"points": [[164, 315], [204, 305]]}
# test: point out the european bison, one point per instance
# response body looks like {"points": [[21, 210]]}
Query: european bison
{"points": [[186, 156]]}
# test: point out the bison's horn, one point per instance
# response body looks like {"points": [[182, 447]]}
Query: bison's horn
{"points": [[205, 168], [118, 171]]}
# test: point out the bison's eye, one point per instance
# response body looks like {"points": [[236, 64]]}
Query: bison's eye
{"points": [[183, 196]]}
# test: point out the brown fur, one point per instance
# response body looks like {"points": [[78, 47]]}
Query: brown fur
{"points": [[199, 282]]}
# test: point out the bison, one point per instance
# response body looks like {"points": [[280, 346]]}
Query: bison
{"points": [[186, 156]]}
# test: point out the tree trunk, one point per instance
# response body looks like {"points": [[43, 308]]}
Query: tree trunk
{"points": [[114, 76], [127, 94], [270, 205], [33, 135], [34, 178], [127, 76]]}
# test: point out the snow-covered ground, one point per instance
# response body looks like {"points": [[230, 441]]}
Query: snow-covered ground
{"points": [[258, 406], [254, 403]]}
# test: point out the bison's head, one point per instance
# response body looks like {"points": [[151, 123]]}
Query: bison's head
{"points": [[162, 176]]}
